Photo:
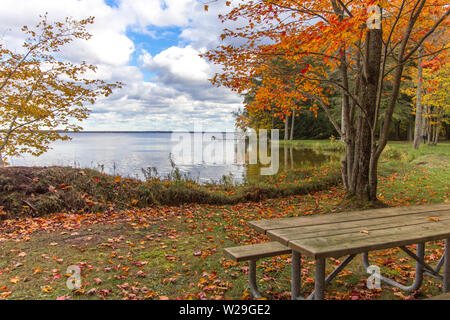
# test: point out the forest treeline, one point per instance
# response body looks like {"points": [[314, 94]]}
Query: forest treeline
{"points": [[305, 121]]}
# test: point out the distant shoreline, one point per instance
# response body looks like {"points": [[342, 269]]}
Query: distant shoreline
{"points": [[144, 132]]}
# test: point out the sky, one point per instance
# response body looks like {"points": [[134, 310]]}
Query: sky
{"points": [[153, 47]]}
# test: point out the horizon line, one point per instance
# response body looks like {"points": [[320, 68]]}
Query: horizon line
{"points": [[139, 131]]}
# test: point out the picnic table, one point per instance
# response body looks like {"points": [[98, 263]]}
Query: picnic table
{"points": [[351, 233]]}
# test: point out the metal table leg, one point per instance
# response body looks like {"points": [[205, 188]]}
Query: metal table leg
{"points": [[446, 286], [420, 253], [319, 281], [296, 275], [252, 279], [437, 269], [335, 272]]}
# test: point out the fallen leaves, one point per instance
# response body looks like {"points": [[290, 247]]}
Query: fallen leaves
{"points": [[4, 295], [173, 247], [47, 289], [14, 280], [37, 270]]}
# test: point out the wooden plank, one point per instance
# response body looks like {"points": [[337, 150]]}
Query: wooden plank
{"points": [[357, 242], [265, 225], [445, 296], [289, 234], [256, 251]]}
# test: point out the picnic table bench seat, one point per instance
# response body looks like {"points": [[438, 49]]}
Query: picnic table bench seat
{"points": [[359, 232], [252, 253]]}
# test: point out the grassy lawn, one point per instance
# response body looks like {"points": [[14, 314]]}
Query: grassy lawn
{"points": [[163, 252]]}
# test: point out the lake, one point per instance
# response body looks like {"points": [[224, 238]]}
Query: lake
{"points": [[205, 157]]}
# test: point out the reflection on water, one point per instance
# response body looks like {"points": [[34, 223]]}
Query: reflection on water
{"points": [[295, 158], [127, 153]]}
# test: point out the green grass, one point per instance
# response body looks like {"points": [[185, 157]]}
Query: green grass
{"points": [[177, 252]]}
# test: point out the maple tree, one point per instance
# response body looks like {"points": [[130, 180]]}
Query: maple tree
{"points": [[40, 92], [357, 49]]}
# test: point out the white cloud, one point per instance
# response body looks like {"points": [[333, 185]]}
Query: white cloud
{"points": [[179, 94], [157, 12], [179, 64]]}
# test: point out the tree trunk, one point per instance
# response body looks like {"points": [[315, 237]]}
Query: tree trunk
{"points": [[292, 125], [397, 130], [2, 164], [343, 121], [436, 136], [410, 128], [286, 128], [425, 125], [273, 120], [418, 133], [362, 182]]}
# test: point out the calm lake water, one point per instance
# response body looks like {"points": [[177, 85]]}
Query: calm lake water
{"points": [[206, 157]]}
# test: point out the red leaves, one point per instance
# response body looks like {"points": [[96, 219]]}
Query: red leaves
{"points": [[304, 70], [170, 258]]}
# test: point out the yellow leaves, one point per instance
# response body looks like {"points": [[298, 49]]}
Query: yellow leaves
{"points": [[37, 270], [51, 89], [47, 289], [205, 7], [435, 219], [4, 295], [151, 294], [117, 180], [245, 295], [14, 280]]}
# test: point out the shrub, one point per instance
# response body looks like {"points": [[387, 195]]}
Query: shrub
{"points": [[40, 191]]}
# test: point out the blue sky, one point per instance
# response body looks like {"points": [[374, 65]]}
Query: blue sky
{"points": [[152, 46]]}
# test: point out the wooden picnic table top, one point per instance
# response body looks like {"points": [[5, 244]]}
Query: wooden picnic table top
{"points": [[338, 234]]}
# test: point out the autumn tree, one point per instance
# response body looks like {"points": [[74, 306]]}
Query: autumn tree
{"points": [[352, 48], [41, 92], [436, 97]]}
